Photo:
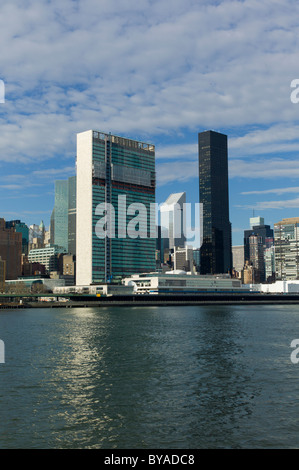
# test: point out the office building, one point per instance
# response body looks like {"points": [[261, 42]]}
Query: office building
{"points": [[11, 250], [61, 214], [286, 242], [216, 255], [183, 259], [63, 217], [112, 174], [238, 257], [72, 215], [173, 220], [258, 229], [269, 256], [20, 227], [47, 256], [180, 283]]}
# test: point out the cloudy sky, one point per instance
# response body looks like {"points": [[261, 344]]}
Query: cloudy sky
{"points": [[157, 71]]}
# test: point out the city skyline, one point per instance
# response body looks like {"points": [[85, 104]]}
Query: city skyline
{"points": [[226, 66]]}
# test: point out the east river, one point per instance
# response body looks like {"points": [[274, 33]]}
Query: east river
{"points": [[203, 377]]}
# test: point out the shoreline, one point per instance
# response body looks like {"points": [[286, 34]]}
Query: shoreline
{"points": [[149, 300]]}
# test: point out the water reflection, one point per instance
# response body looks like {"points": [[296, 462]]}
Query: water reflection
{"points": [[193, 377]]}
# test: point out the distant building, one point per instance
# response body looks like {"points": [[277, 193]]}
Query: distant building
{"points": [[30, 269], [173, 220], [36, 236], [216, 255], [183, 259], [72, 215], [48, 256], [238, 257], [269, 256], [286, 241], [249, 274], [63, 217], [196, 259], [61, 214], [20, 227], [256, 240], [2, 274], [11, 250]]}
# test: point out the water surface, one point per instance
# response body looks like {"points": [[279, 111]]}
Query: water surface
{"points": [[149, 377]]}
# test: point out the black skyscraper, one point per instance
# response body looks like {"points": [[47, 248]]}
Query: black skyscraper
{"points": [[216, 250]]}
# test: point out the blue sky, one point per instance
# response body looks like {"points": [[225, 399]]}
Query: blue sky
{"points": [[156, 71]]}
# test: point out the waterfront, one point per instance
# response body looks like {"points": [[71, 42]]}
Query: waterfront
{"points": [[192, 377]]}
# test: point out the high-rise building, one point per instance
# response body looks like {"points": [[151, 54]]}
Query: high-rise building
{"points": [[256, 240], [113, 173], [238, 257], [63, 218], [286, 242], [216, 253], [20, 227], [11, 250], [61, 214], [269, 256], [72, 215], [173, 220]]}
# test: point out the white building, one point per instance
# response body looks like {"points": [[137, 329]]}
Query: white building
{"points": [[181, 282], [47, 256], [173, 220]]}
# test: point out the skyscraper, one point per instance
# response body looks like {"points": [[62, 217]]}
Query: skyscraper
{"points": [[113, 172], [61, 214], [255, 244], [11, 250], [216, 255], [63, 218], [72, 215], [286, 242]]}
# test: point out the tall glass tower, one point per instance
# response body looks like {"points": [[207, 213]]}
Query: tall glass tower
{"points": [[215, 253], [115, 172], [61, 214]]}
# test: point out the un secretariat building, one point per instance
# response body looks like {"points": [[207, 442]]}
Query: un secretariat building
{"points": [[110, 166]]}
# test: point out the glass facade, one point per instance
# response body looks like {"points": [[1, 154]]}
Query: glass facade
{"points": [[255, 244], [61, 214], [215, 255], [286, 242], [72, 215], [122, 167], [63, 218]]}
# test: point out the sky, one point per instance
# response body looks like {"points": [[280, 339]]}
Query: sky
{"points": [[156, 71]]}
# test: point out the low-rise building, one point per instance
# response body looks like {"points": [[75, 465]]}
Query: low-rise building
{"points": [[181, 282]]}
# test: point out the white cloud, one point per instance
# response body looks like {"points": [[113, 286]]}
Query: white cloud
{"points": [[145, 69], [272, 168], [264, 205], [293, 189], [176, 171]]}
